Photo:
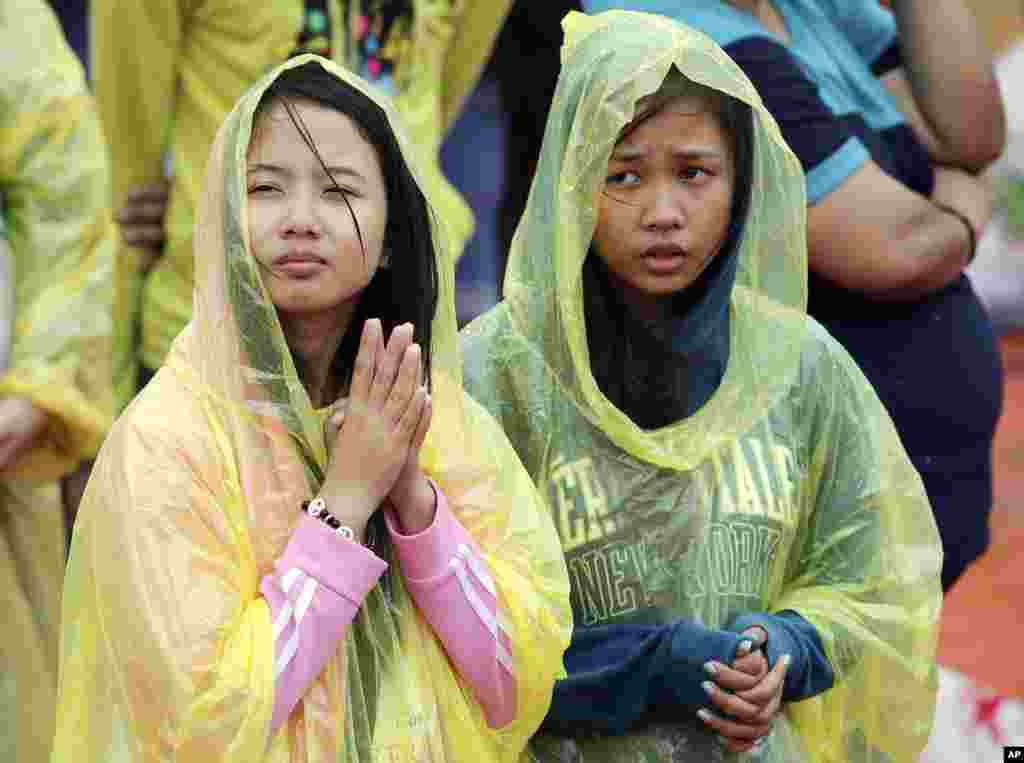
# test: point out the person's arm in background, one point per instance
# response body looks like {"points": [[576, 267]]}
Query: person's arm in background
{"points": [[875, 236], [914, 148], [55, 401], [947, 88], [867, 231]]}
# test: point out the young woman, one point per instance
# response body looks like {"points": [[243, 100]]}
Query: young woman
{"points": [[751, 554], [167, 72], [301, 542], [873, 103]]}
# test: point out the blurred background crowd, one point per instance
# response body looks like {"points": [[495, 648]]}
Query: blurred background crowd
{"points": [[105, 123]]}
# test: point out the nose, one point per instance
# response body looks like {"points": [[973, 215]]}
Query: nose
{"points": [[301, 217], [663, 209]]}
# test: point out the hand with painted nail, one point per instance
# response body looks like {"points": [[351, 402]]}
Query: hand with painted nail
{"points": [[750, 657], [747, 670], [745, 705], [751, 660]]}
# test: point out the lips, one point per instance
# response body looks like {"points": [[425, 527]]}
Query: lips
{"points": [[299, 265], [664, 259], [664, 251], [300, 257]]}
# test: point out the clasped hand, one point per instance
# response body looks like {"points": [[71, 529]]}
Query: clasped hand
{"points": [[375, 441], [748, 693]]}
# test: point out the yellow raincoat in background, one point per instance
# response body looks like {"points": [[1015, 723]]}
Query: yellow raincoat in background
{"points": [[167, 647], [167, 72], [787, 489], [56, 230]]}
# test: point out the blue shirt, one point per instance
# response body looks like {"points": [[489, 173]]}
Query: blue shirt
{"points": [[822, 87]]}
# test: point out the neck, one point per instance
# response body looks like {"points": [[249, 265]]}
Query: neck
{"points": [[648, 309], [314, 341]]}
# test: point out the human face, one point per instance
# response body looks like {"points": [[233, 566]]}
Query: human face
{"points": [[666, 204], [301, 230]]}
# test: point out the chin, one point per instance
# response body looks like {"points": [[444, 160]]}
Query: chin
{"points": [[311, 300], [664, 287]]}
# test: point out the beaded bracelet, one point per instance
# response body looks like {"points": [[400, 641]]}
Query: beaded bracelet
{"points": [[317, 508]]}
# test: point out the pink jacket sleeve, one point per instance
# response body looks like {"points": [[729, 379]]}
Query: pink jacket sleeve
{"points": [[449, 580], [316, 588], [321, 580]]}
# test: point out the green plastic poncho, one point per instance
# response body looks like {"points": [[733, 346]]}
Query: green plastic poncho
{"points": [[57, 241], [167, 650], [787, 489]]}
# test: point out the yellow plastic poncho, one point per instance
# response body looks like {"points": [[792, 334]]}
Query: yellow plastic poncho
{"points": [[57, 237], [788, 489], [167, 647], [167, 72]]}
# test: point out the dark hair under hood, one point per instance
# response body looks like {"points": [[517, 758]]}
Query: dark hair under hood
{"points": [[661, 373]]}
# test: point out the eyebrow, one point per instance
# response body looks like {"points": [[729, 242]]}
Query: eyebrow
{"points": [[277, 169], [351, 172], [630, 154]]}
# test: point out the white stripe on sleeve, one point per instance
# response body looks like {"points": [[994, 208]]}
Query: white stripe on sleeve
{"points": [[486, 617]]}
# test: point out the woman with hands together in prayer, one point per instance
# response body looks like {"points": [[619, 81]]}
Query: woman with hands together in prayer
{"points": [[377, 435], [302, 541]]}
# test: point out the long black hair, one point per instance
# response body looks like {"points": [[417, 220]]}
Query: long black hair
{"points": [[632, 361], [406, 289]]}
